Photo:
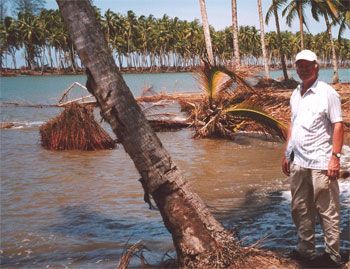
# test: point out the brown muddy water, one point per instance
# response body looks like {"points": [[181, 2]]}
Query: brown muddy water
{"points": [[78, 209]]}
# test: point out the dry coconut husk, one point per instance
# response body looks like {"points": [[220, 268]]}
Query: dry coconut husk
{"points": [[75, 129]]}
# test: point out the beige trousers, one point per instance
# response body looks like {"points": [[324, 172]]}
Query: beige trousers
{"points": [[313, 193]]}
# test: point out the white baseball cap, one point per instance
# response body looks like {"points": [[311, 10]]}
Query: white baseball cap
{"points": [[307, 55]]}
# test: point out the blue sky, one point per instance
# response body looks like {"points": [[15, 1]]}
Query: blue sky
{"points": [[219, 12]]}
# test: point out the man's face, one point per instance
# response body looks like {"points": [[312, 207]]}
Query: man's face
{"points": [[306, 70]]}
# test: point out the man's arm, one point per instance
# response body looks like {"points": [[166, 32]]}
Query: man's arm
{"points": [[338, 136], [285, 163]]}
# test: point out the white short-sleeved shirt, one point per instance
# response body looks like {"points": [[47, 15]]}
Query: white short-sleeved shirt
{"points": [[312, 117]]}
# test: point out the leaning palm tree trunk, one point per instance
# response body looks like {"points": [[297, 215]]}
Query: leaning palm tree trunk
{"points": [[200, 240], [334, 56], [196, 234]]}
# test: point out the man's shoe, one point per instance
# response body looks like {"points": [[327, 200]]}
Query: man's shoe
{"points": [[296, 256], [325, 261]]}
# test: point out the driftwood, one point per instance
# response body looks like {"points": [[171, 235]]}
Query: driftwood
{"points": [[23, 105], [7, 125], [168, 125], [80, 100], [65, 94]]}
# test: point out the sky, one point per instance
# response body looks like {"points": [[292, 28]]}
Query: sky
{"points": [[218, 11]]}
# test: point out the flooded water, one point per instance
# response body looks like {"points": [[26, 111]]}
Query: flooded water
{"points": [[78, 209]]}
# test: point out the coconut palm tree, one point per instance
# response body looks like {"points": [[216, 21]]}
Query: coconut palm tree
{"points": [[182, 45], [28, 6], [29, 28], [274, 9], [108, 25], [327, 9], [296, 7], [180, 208], [9, 39], [200, 240], [262, 39], [206, 32], [344, 16], [237, 57], [250, 46]]}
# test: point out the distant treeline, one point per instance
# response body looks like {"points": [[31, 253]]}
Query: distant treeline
{"points": [[151, 43]]}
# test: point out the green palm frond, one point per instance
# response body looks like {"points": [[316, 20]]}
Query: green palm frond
{"points": [[217, 79], [211, 81], [268, 123]]}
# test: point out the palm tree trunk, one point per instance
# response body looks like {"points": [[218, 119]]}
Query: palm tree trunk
{"points": [[199, 239], [262, 37], [206, 32], [1, 55], [50, 57], [301, 23], [42, 60], [283, 62], [72, 58], [14, 60], [334, 56], [237, 57]]}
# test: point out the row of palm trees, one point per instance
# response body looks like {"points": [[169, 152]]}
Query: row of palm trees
{"points": [[149, 43], [336, 10]]}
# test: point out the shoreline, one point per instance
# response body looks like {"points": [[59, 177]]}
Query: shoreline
{"points": [[279, 108], [10, 72]]}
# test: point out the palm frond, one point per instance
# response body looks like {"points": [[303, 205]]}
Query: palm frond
{"points": [[215, 80], [268, 123], [211, 81]]}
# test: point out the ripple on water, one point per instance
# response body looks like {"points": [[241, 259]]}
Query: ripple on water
{"points": [[79, 209]]}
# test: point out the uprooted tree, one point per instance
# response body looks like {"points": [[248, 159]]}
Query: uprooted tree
{"points": [[199, 239]]}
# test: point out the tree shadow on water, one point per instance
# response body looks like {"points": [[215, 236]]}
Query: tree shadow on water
{"points": [[83, 222]]}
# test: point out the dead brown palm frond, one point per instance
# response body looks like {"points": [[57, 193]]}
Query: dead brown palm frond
{"points": [[214, 127], [240, 78], [165, 115], [75, 129], [159, 125], [128, 253]]}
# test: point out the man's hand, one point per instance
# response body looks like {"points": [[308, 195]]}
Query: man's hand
{"points": [[338, 137], [285, 166], [333, 168]]}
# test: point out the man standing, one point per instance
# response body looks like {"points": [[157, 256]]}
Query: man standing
{"points": [[311, 159]]}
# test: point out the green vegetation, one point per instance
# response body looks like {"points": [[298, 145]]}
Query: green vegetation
{"points": [[154, 44], [230, 105]]}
